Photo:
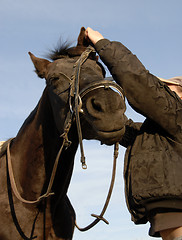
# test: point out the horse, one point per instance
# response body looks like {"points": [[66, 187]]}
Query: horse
{"points": [[36, 166]]}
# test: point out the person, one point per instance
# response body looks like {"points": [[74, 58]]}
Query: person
{"points": [[153, 158]]}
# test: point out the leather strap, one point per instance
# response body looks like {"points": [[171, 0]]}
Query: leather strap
{"points": [[100, 217]]}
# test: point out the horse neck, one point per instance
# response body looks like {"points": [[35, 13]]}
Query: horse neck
{"points": [[34, 150]]}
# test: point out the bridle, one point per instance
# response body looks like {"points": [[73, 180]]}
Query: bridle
{"points": [[75, 102], [78, 95]]}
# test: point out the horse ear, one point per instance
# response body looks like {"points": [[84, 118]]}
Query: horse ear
{"points": [[40, 64], [81, 38]]}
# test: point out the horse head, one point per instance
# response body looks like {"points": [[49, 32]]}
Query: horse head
{"points": [[102, 110]]}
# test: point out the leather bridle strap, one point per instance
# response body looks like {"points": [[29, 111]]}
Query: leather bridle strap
{"points": [[11, 185], [75, 93], [77, 97], [100, 217], [102, 84], [49, 188], [13, 214]]}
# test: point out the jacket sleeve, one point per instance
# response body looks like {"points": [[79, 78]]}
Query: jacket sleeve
{"points": [[132, 130], [145, 93]]}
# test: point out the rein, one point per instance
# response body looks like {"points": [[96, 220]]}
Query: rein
{"points": [[75, 109], [77, 97], [100, 217]]}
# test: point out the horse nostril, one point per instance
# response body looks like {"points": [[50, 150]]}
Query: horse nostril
{"points": [[96, 105]]}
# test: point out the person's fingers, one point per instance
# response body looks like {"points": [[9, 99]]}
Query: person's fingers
{"points": [[94, 36]]}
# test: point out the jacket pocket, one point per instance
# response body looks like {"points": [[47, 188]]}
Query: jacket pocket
{"points": [[147, 173]]}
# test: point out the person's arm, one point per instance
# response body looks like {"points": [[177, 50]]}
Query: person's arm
{"points": [[145, 93]]}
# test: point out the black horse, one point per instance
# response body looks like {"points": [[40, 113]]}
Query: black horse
{"points": [[31, 155]]}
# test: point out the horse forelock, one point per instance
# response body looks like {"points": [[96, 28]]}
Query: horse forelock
{"points": [[59, 51], [65, 49]]}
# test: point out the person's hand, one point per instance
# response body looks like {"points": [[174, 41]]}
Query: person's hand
{"points": [[92, 35]]}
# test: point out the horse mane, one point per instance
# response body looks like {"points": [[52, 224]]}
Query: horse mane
{"points": [[59, 51], [64, 49]]}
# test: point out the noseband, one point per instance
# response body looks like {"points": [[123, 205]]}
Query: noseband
{"points": [[106, 84]]}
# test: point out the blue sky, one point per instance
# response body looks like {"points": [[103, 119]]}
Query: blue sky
{"points": [[150, 29]]}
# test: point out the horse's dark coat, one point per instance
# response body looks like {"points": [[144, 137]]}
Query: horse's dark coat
{"points": [[35, 147]]}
